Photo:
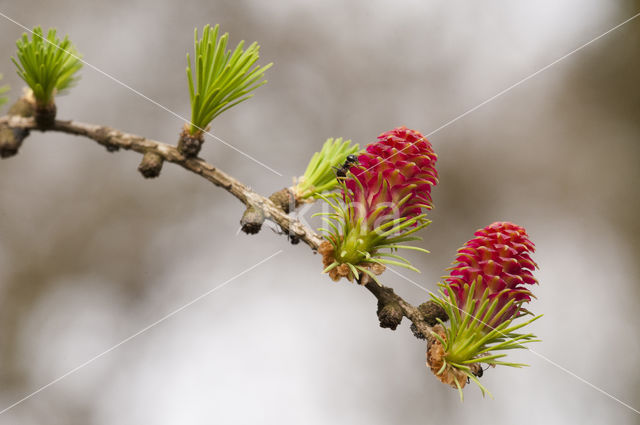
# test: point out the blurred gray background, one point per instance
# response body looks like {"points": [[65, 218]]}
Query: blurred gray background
{"points": [[90, 253]]}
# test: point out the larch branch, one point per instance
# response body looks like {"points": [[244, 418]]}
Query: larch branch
{"points": [[391, 307]]}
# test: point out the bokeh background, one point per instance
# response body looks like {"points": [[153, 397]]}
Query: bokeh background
{"points": [[91, 253]]}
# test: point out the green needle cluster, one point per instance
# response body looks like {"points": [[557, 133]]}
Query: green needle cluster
{"points": [[320, 175], [47, 65], [223, 78]]}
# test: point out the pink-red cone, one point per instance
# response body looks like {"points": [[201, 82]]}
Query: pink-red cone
{"points": [[402, 162], [500, 254]]}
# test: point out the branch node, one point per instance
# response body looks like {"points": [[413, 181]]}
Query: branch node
{"points": [[284, 199], [189, 144], [254, 217], [45, 115], [252, 220], [103, 136], [430, 312], [11, 140], [151, 165], [390, 315]]}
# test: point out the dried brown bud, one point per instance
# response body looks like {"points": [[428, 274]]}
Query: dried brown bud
{"points": [[390, 316], [150, 165], [252, 220], [431, 311]]}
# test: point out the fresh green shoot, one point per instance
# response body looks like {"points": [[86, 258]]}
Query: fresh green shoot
{"points": [[320, 175], [47, 65], [223, 78]]}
